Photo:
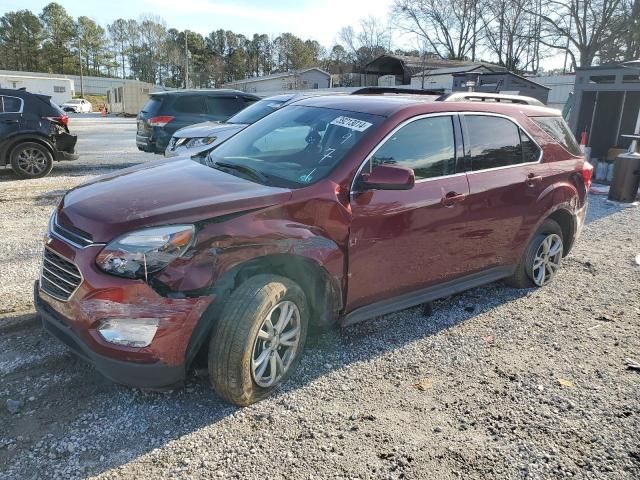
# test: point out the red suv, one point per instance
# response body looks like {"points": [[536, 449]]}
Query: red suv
{"points": [[333, 209]]}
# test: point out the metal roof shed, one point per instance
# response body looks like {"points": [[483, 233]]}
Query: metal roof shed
{"points": [[403, 67], [501, 82], [607, 100]]}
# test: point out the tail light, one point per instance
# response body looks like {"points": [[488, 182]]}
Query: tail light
{"points": [[160, 121], [62, 120], [587, 174]]}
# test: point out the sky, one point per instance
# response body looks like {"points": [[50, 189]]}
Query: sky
{"points": [[316, 19]]}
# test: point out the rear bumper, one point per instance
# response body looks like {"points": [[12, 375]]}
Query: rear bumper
{"points": [[155, 143], [153, 375], [65, 144], [64, 156]]}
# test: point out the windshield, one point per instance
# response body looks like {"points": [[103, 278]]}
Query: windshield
{"points": [[294, 146], [255, 112], [73, 101]]}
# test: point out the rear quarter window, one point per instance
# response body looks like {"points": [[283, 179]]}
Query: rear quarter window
{"points": [[10, 104], [558, 129]]}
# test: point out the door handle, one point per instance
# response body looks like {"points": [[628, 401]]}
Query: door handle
{"points": [[10, 121], [451, 198], [533, 179]]}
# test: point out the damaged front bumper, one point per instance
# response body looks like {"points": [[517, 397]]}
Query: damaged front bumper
{"points": [[142, 375], [99, 297]]}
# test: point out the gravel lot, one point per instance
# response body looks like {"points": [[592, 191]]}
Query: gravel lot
{"points": [[497, 383]]}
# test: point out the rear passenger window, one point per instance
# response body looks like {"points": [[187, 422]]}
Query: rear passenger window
{"points": [[426, 145], [558, 129], [189, 104], [10, 104], [223, 106], [498, 142]]}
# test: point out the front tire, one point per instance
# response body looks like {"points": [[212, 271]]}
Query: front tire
{"points": [[542, 258], [258, 339], [31, 160]]}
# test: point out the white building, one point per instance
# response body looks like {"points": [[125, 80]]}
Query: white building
{"points": [[562, 86], [59, 89], [306, 79], [91, 85]]}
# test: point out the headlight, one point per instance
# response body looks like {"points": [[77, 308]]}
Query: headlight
{"points": [[130, 332], [200, 142], [139, 253]]}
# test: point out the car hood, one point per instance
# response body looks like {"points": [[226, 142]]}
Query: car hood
{"points": [[160, 192], [209, 129]]}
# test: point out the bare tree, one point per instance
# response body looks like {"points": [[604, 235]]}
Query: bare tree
{"points": [[582, 28], [449, 27], [512, 33], [371, 39]]}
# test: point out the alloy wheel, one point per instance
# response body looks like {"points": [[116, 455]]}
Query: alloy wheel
{"points": [[547, 260], [276, 344], [32, 161]]}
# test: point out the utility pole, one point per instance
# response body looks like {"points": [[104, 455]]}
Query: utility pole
{"points": [[186, 60], [566, 52], [80, 60]]}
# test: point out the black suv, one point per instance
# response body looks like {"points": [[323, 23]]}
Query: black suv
{"points": [[166, 112], [33, 133]]}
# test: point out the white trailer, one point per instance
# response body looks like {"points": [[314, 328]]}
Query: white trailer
{"points": [[59, 89], [129, 98]]}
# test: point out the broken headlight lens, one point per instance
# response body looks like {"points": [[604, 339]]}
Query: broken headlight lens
{"points": [[129, 332], [200, 142], [140, 253]]}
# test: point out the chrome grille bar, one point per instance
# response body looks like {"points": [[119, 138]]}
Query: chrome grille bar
{"points": [[59, 277]]}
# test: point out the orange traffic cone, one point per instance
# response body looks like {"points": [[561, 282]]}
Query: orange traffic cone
{"points": [[583, 140]]}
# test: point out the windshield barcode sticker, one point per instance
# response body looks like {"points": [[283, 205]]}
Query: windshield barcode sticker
{"points": [[352, 123]]}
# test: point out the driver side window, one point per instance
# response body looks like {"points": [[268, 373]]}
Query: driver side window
{"points": [[426, 145]]}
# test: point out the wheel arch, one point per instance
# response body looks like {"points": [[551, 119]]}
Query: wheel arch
{"points": [[17, 140], [323, 292], [567, 222]]}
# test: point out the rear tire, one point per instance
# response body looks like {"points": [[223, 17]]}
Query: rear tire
{"points": [[253, 347], [541, 259], [31, 160]]}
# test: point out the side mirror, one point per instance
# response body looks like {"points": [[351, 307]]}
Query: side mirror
{"points": [[388, 177]]}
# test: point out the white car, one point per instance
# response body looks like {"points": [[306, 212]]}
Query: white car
{"points": [[77, 105]]}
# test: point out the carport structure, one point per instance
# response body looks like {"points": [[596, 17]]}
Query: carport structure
{"points": [[607, 100]]}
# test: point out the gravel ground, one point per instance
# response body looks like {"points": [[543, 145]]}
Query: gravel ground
{"points": [[496, 383]]}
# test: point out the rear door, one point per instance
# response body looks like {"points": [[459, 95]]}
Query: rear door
{"points": [[222, 107], [403, 240], [506, 180]]}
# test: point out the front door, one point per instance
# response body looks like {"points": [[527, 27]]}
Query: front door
{"points": [[403, 240]]}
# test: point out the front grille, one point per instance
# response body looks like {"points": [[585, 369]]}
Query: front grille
{"points": [[60, 277], [70, 234]]}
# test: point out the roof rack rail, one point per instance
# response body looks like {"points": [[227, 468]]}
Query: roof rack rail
{"points": [[490, 97], [406, 91]]}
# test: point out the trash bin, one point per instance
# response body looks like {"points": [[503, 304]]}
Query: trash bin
{"points": [[626, 178]]}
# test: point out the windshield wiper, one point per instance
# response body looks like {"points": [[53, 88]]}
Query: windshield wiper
{"points": [[261, 177]]}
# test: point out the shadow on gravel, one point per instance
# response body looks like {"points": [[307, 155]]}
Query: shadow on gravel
{"points": [[75, 423]]}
